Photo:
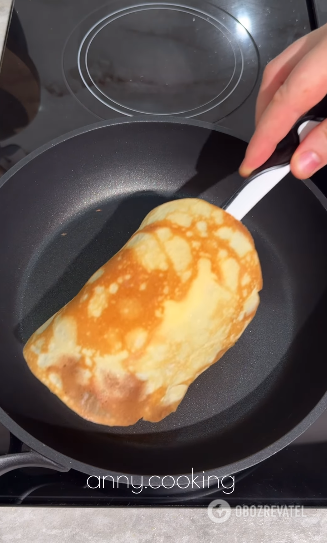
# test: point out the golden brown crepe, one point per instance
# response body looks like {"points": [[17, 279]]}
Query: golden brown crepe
{"points": [[169, 304]]}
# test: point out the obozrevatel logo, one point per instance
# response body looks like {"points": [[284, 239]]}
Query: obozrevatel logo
{"points": [[219, 511]]}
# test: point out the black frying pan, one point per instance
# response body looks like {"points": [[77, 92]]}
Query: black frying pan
{"points": [[68, 207]]}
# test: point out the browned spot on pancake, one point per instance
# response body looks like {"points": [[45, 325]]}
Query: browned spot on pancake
{"points": [[118, 402]]}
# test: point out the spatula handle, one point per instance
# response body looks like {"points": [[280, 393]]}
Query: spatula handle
{"points": [[266, 177]]}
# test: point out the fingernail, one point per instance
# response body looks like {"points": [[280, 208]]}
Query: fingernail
{"points": [[243, 170], [307, 162]]}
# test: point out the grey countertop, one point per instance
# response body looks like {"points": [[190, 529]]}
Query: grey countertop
{"points": [[141, 525]]}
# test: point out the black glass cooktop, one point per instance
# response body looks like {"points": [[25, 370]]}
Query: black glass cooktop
{"points": [[71, 63], [294, 476]]}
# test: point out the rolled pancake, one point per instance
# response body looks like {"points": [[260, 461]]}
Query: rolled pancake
{"points": [[169, 304]]}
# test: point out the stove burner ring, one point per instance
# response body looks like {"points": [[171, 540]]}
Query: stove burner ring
{"points": [[97, 28], [161, 59]]}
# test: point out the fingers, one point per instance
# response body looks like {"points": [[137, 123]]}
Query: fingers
{"points": [[300, 82], [311, 155], [278, 70], [304, 88], [276, 73]]}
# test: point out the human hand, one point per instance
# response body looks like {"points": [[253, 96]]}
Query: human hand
{"points": [[292, 83]]}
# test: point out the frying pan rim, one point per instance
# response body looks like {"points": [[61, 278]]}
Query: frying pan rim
{"points": [[112, 122], [228, 469]]}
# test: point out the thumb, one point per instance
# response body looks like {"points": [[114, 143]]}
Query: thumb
{"points": [[311, 154]]}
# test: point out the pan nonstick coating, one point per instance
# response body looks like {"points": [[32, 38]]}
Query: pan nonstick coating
{"points": [[67, 210]]}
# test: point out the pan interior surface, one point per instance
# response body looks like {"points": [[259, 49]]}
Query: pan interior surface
{"points": [[71, 208]]}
